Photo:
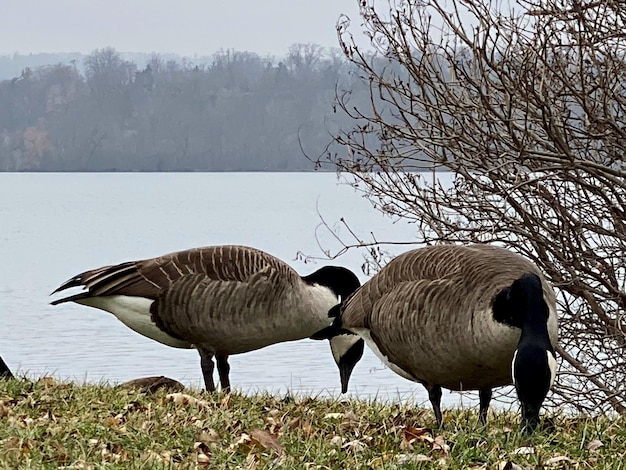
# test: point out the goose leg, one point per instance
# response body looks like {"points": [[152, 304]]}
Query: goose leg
{"points": [[223, 370], [530, 417], [434, 395], [206, 363], [485, 397]]}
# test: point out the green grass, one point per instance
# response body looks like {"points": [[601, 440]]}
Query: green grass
{"points": [[45, 424]]}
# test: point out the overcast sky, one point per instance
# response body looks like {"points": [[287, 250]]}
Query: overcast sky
{"points": [[181, 26]]}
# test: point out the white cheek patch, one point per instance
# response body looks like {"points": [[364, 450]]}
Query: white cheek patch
{"points": [[553, 366], [341, 344]]}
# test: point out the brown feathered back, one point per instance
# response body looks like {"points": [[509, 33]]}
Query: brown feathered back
{"points": [[147, 278]]}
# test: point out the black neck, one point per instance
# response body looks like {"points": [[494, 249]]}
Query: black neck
{"points": [[535, 324]]}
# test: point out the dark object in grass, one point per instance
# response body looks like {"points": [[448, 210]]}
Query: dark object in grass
{"points": [[5, 373], [152, 384]]}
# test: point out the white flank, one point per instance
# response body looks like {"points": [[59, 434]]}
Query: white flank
{"points": [[365, 334], [134, 312], [552, 366]]}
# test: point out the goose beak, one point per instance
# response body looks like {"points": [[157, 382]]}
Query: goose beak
{"points": [[345, 371], [348, 361]]}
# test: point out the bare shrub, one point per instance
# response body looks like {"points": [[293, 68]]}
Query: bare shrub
{"points": [[526, 110]]}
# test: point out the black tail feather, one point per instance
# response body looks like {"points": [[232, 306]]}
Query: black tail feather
{"points": [[71, 298], [76, 281]]}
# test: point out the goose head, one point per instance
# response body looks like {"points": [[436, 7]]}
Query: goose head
{"points": [[346, 347]]}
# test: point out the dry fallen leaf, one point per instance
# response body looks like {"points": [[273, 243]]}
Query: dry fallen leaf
{"points": [[204, 453], [184, 399], [26, 421], [17, 447], [524, 450], [4, 410], [294, 423], [266, 440], [203, 459], [440, 444], [274, 417], [201, 447], [243, 442], [419, 434], [595, 445], [47, 381], [225, 402], [63, 459], [354, 446], [411, 435], [412, 458], [209, 436], [350, 421], [112, 421], [251, 463], [307, 429], [79, 465], [112, 452], [336, 441], [557, 460]]}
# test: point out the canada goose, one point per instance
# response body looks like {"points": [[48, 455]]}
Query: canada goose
{"points": [[459, 317], [5, 372], [221, 300]]}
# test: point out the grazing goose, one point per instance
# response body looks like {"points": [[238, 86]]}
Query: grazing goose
{"points": [[221, 300], [459, 317]]}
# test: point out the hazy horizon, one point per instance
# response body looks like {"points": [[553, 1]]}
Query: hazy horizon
{"points": [[188, 28]]}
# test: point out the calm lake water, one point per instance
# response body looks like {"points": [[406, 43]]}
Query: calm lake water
{"points": [[53, 226]]}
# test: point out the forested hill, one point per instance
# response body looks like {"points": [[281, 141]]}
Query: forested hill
{"points": [[236, 111]]}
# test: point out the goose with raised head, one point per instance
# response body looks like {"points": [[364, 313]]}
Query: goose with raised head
{"points": [[221, 300], [459, 317]]}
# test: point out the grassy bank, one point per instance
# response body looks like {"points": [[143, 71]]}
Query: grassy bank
{"points": [[48, 425]]}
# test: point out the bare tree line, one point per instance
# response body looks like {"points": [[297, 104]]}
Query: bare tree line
{"points": [[239, 111]]}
